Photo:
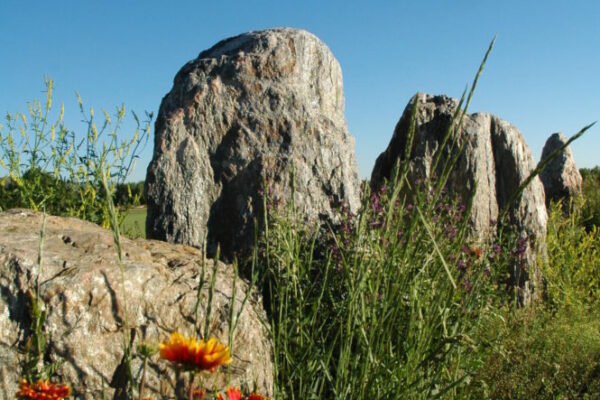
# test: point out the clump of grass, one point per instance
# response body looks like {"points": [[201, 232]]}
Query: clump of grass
{"points": [[396, 301], [34, 366], [381, 309]]}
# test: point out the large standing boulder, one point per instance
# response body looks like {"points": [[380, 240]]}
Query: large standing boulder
{"points": [[561, 178], [250, 112], [82, 291], [495, 161]]}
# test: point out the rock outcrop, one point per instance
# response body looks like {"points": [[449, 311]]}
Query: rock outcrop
{"points": [[495, 161], [561, 178], [80, 284], [247, 114]]}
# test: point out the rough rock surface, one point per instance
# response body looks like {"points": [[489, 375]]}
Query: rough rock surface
{"points": [[81, 287], [561, 178], [254, 108], [496, 160]]}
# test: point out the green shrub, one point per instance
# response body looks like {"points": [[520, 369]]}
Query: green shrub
{"points": [[130, 194], [572, 270], [49, 167], [35, 188]]}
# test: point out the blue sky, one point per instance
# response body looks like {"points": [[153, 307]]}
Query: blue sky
{"points": [[543, 74]]}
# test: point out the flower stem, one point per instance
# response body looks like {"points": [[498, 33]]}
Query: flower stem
{"points": [[143, 382], [191, 393]]}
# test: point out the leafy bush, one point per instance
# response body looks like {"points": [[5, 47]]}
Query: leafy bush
{"points": [[35, 188], [48, 167], [572, 270]]}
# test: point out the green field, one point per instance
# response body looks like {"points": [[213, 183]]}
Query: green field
{"points": [[134, 224]]}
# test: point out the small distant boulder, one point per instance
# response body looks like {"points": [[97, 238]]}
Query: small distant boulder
{"points": [[80, 284], [495, 161], [242, 120], [561, 178]]}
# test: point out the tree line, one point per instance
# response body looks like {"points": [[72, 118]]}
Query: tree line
{"points": [[59, 195]]}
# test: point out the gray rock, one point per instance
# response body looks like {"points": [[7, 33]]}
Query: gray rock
{"points": [[253, 109], [81, 288], [496, 160], [561, 178]]}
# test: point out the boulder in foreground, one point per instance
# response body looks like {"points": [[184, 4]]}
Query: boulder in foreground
{"points": [[81, 287]]}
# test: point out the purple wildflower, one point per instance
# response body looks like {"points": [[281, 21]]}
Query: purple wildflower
{"points": [[451, 232], [467, 285], [497, 248], [375, 204], [520, 248]]}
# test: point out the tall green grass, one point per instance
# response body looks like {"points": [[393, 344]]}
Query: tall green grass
{"points": [[381, 309], [379, 306]]}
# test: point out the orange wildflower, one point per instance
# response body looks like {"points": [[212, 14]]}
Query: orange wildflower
{"points": [[43, 390], [236, 394], [232, 394], [195, 355], [476, 251]]}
